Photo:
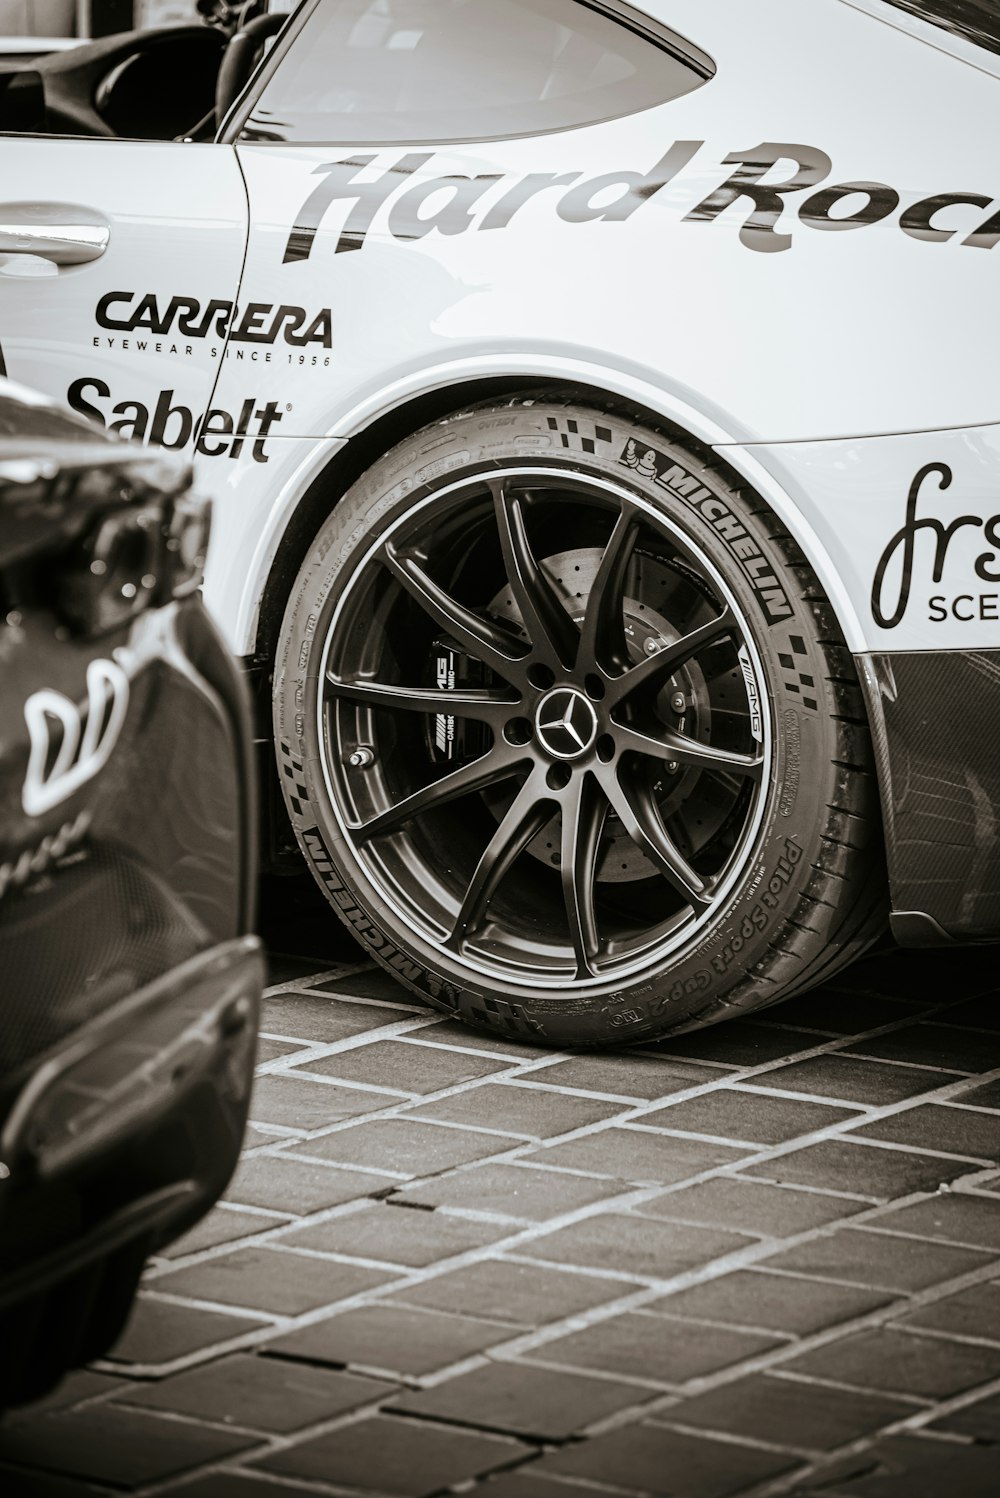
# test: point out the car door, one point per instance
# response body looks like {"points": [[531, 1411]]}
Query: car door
{"points": [[119, 267]]}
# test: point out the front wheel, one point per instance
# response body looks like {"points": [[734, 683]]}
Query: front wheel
{"points": [[567, 736]]}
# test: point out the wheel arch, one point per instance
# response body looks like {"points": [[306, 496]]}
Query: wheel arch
{"points": [[342, 587], [379, 425], [374, 432], [324, 491]]}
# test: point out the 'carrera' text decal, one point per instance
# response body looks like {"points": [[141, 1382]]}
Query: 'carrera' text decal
{"points": [[155, 325], [260, 322]]}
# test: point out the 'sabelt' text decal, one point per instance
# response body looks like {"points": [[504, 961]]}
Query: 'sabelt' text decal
{"points": [[218, 434]]}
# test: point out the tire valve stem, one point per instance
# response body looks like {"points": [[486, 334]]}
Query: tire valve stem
{"points": [[361, 758]]}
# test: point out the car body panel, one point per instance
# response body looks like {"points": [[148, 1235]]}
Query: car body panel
{"points": [[253, 509], [413, 311], [911, 525], [323, 335], [870, 303], [157, 198], [935, 717], [130, 982], [833, 350], [411, 306]]}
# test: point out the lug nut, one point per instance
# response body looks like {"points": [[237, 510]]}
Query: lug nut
{"points": [[678, 702], [361, 758], [672, 767], [652, 646]]}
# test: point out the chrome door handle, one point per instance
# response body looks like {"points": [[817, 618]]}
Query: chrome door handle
{"points": [[64, 233]]}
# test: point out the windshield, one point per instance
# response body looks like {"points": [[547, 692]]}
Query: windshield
{"points": [[975, 20]]}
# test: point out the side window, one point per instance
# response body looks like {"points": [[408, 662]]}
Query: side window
{"points": [[433, 71], [976, 20], [109, 67], [134, 69]]}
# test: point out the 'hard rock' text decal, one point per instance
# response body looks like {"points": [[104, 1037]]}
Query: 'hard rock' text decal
{"points": [[413, 205]]}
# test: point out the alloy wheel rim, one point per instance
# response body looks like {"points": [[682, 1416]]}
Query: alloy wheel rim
{"points": [[612, 761]]}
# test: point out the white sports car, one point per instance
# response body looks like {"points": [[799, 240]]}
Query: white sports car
{"points": [[603, 414]]}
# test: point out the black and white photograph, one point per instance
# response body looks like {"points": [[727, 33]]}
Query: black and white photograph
{"points": [[499, 748]]}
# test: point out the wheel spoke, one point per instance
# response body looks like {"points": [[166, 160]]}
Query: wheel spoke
{"points": [[640, 816], [497, 765], [686, 751], [584, 810], [552, 633], [602, 638], [597, 734], [524, 820], [487, 642], [657, 668], [487, 707]]}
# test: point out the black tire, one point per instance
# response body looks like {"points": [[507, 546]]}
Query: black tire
{"points": [[669, 814]]}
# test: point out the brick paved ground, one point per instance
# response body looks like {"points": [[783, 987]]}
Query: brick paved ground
{"points": [[761, 1260]]}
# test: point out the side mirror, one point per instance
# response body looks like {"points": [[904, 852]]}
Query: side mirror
{"points": [[22, 102]]}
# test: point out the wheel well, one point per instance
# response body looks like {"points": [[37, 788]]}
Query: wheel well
{"points": [[329, 487], [318, 501]]}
